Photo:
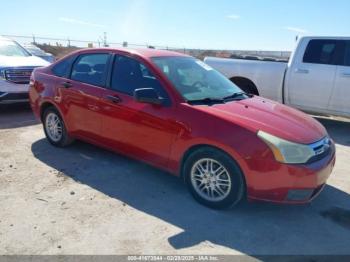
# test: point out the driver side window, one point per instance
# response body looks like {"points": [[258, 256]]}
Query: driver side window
{"points": [[129, 74]]}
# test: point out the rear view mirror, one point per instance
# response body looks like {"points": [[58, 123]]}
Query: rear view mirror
{"points": [[148, 95]]}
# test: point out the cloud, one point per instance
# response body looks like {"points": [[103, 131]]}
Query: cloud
{"points": [[233, 17], [296, 29], [79, 22]]}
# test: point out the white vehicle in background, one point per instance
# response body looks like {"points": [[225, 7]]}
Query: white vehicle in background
{"points": [[16, 66], [316, 79], [34, 50]]}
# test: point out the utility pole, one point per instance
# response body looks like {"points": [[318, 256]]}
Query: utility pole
{"points": [[105, 39]]}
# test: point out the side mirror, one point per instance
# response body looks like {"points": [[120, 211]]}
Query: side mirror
{"points": [[148, 95]]}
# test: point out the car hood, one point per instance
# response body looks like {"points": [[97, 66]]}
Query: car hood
{"points": [[18, 61], [258, 113]]}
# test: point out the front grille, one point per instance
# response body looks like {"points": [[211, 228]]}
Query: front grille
{"points": [[18, 75]]}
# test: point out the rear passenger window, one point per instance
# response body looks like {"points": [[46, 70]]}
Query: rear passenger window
{"points": [[91, 69], [62, 68], [321, 52]]}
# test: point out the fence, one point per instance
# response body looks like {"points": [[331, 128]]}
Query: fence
{"points": [[200, 53], [68, 42]]}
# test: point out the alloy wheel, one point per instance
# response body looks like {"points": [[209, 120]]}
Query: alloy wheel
{"points": [[54, 127], [210, 179]]}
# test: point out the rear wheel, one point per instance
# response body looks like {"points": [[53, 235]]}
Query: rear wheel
{"points": [[55, 129], [246, 85], [214, 178]]}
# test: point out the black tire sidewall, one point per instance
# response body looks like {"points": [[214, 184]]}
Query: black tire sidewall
{"points": [[65, 139], [237, 187]]}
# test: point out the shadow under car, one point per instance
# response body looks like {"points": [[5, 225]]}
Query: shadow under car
{"points": [[321, 227]]}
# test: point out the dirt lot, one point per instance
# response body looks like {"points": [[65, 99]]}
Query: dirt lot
{"points": [[85, 200]]}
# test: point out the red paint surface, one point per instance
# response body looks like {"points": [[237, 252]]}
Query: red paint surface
{"points": [[162, 135]]}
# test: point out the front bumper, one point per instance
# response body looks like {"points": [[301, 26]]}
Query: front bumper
{"points": [[291, 184], [11, 93], [12, 98]]}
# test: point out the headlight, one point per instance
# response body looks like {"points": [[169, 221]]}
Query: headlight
{"points": [[285, 151]]}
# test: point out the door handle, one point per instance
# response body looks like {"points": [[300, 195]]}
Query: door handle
{"points": [[346, 74], [113, 99], [302, 71], [67, 84]]}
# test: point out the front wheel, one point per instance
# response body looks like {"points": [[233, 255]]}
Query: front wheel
{"points": [[214, 179]]}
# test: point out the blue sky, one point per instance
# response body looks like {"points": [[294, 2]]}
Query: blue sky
{"points": [[220, 24]]}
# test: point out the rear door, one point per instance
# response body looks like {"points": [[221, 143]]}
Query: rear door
{"points": [[82, 92], [311, 79], [340, 101]]}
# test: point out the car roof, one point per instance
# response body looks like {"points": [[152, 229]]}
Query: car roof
{"points": [[142, 52], [326, 37]]}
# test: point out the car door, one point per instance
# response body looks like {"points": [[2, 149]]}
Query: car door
{"points": [[81, 94], [141, 130], [339, 103], [311, 79]]}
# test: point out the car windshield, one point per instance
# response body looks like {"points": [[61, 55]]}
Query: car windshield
{"points": [[10, 48], [194, 79], [34, 50]]}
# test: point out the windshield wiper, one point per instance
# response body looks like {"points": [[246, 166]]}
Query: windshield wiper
{"points": [[211, 101], [235, 96], [206, 101]]}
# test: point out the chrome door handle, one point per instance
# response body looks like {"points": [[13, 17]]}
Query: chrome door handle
{"points": [[346, 74], [302, 71]]}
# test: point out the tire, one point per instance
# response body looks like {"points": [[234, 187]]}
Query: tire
{"points": [[61, 139], [233, 188], [246, 85]]}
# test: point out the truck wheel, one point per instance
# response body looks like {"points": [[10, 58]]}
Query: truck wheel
{"points": [[55, 129], [213, 178], [246, 85]]}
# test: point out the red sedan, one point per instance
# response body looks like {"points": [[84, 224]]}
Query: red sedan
{"points": [[177, 113]]}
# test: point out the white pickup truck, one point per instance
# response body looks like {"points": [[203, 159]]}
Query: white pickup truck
{"points": [[16, 66], [316, 79]]}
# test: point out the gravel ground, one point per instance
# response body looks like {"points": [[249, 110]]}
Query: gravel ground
{"points": [[85, 200]]}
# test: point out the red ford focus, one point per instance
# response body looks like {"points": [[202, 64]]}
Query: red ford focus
{"points": [[176, 113]]}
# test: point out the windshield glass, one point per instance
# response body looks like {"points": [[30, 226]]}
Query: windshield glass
{"points": [[10, 48], [194, 79]]}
